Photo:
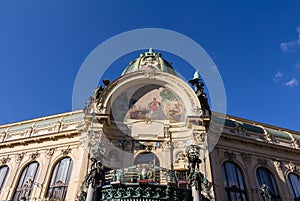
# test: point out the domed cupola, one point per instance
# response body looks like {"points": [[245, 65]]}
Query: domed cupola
{"points": [[150, 61]]}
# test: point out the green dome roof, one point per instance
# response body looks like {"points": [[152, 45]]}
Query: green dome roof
{"points": [[150, 61]]}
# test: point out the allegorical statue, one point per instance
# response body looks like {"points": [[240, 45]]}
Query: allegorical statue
{"points": [[94, 101], [99, 90], [199, 90]]}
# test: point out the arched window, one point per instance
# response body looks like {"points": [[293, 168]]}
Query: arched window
{"points": [[265, 177], [3, 175], [233, 182], [26, 181], [146, 163], [147, 158], [60, 179], [294, 182]]}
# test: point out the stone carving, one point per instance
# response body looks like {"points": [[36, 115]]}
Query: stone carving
{"points": [[267, 136], [180, 157], [88, 109], [246, 157], [199, 137], [29, 131], [277, 164], [50, 152], [148, 146], [58, 126], [167, 132], [4, 160], [20, 156], [291, 166], [94, 103], [261, 161], [239, 129], [230, 155], [3, 136], [34, 156], [295, 143], [198, 111], [66, 151]]}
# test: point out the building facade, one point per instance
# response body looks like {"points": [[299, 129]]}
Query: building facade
{"points": [[42, 158], [148, 136]]}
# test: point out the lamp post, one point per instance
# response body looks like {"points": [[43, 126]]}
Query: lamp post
{"points": [[94, 177], [194, 177]]}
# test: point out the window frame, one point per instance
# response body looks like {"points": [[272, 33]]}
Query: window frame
{"points": [[54, 184], [271, 179], [239, 177], [5, 176], [20, 190], [291, 186]]}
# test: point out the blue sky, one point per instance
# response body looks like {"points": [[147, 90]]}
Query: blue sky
{"points": [[255, 45]]}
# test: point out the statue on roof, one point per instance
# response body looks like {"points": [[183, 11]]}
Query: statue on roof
{"points": [[199, 90]]}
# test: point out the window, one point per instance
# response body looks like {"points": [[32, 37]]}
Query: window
{"points": [[147, 158], [294, 182], [59, 180], [233, 182], [3, 175], [26, 181], [265, 177]]}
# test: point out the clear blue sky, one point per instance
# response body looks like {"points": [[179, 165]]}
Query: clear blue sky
{"points": [[255, 44]]}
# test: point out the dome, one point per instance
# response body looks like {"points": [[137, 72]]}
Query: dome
{"points": [[150, 61]]}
